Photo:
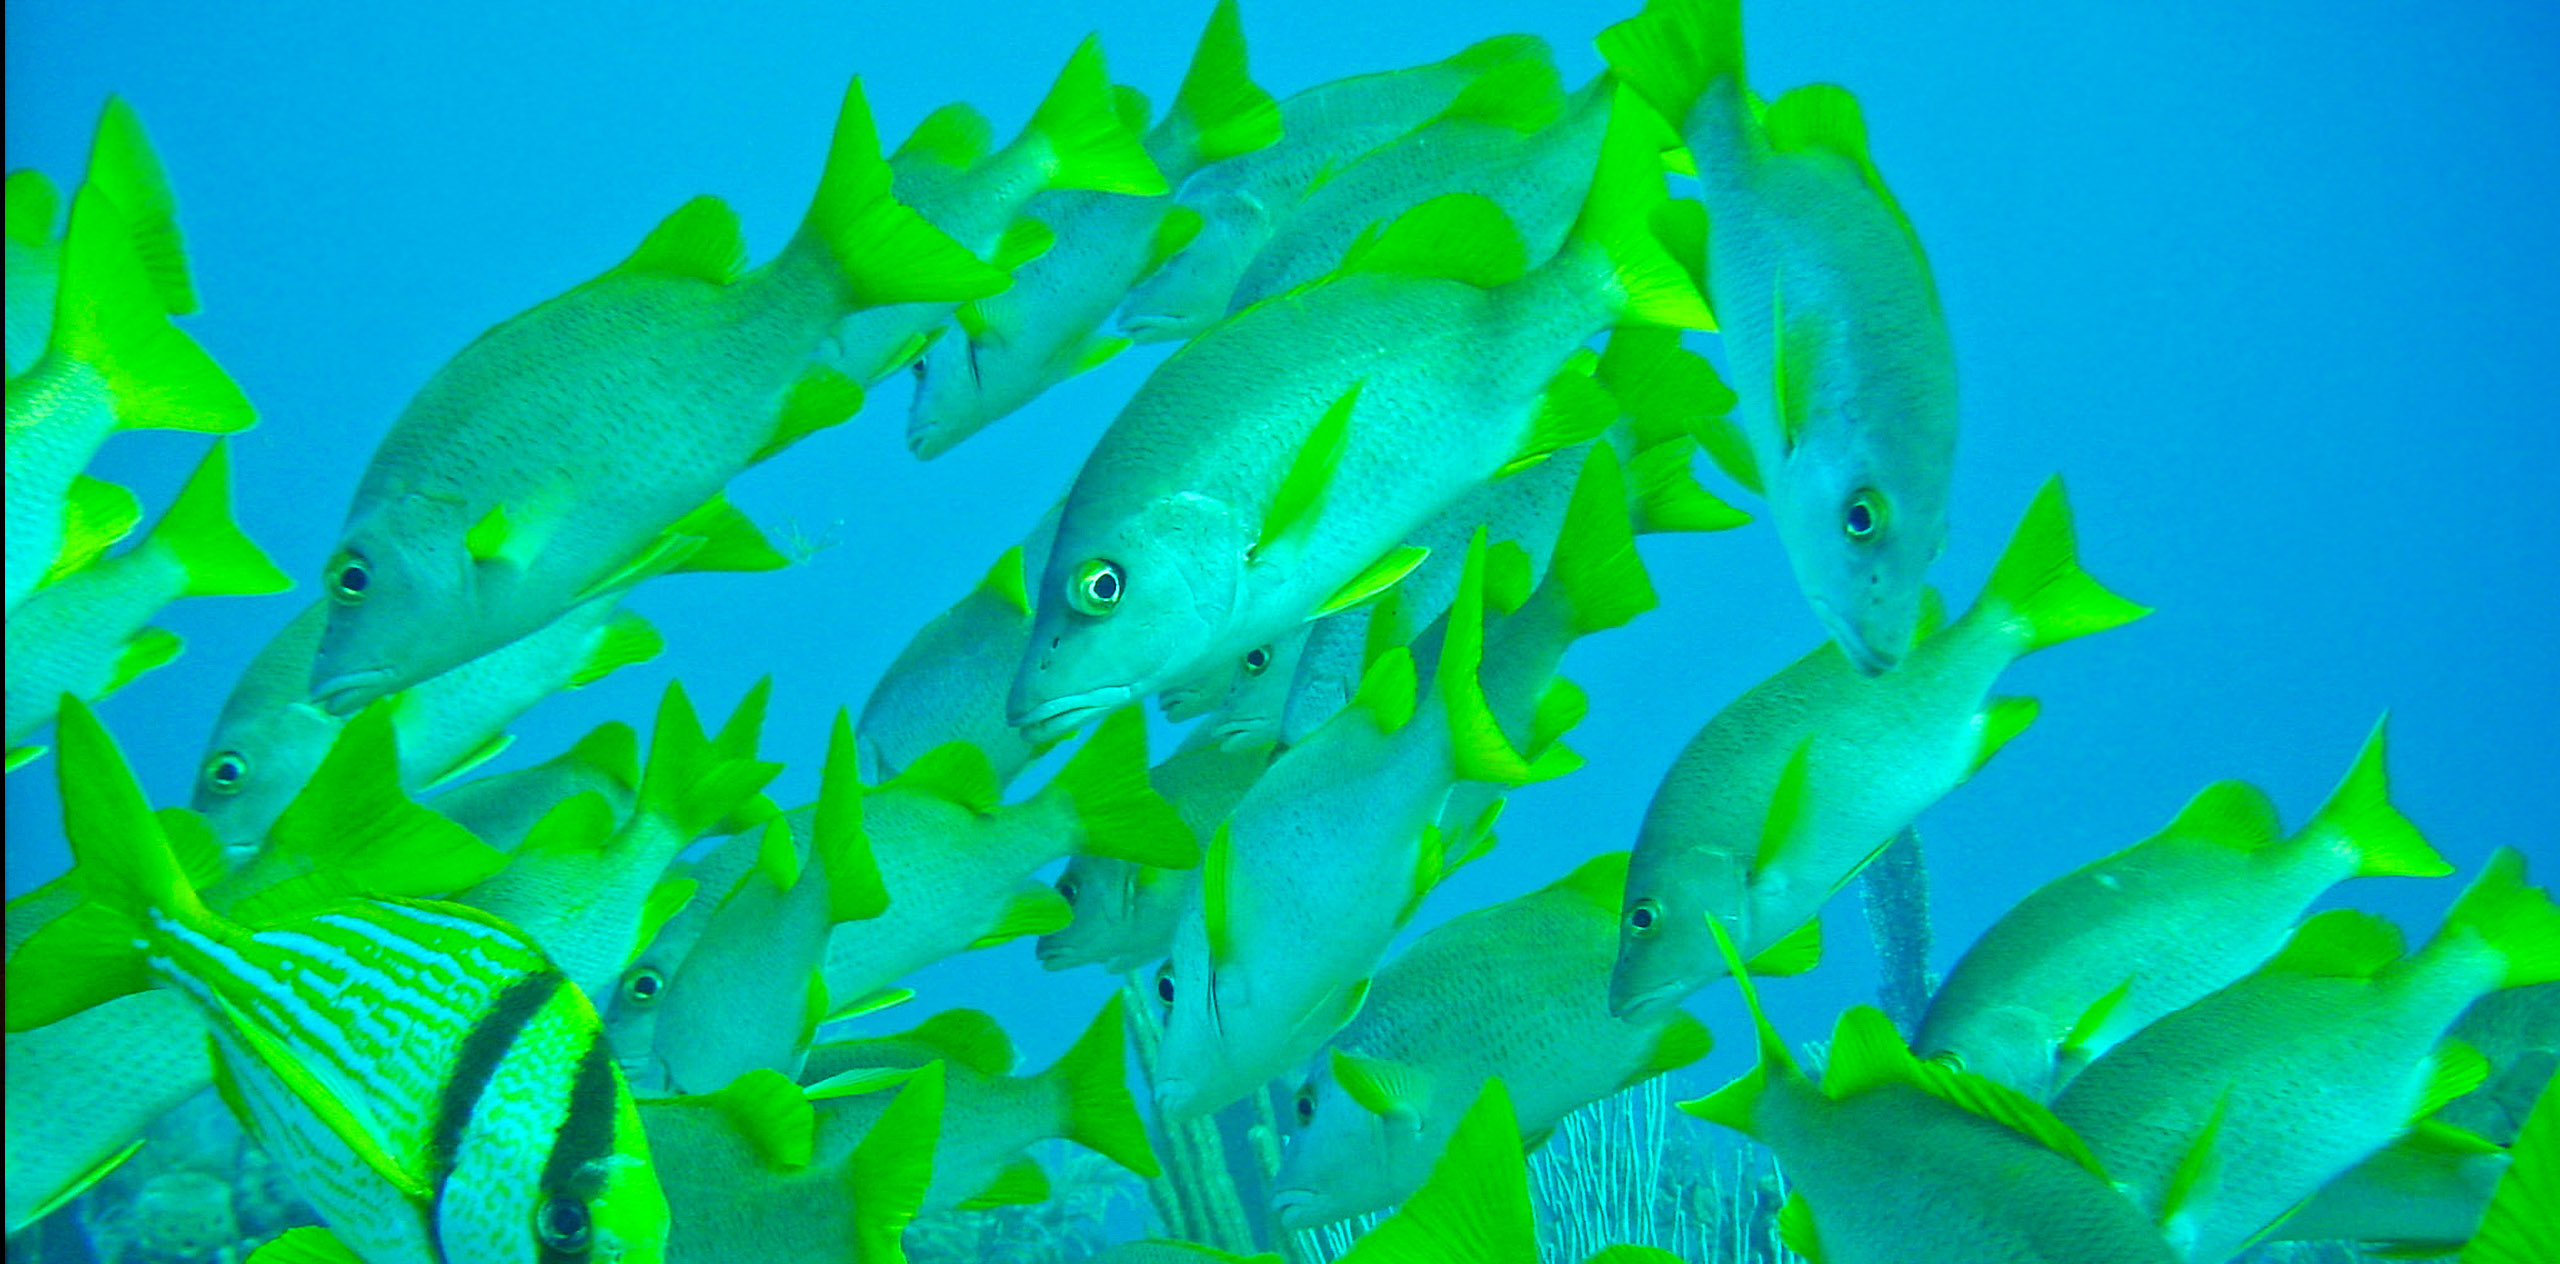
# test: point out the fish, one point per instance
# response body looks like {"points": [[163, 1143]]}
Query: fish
{"points": [[1124, 912], [1513, 993], [957, 862], [2518, 1031], [1241, 201], [2517, 1228], [2219, 1118], [434, 1089], [753, 1173], [1272, 469], [582, 446], [1890, 1158], [582, 888], [82, 1090], [1832, 331], [270, 735], [1255, 704], [33, 259], [111, 358], [1335, 846], [1048, 327], [123, 163], [990, 1116], [949, 683], [2424, 1194], [1787, 792], [502, 808], [693, 890], [88, 634], [2100, 953], [1075, 140]]}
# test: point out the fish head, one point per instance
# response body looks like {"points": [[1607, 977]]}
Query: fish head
{"points": [[2012, 1044], [1216, 1043], [953, 398], [1260, 695], [256, 762], [1129, 600], [1860, 544], [1198, 693], [405, 603], [555, 1175], [1103, 893], [1342, 1159], [1190, 291], [1665, 951]]}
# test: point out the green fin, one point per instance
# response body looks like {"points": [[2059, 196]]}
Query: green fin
{"points": [[624, 641], [1794, 953], [868, 1002], [1796, 1231], [95, 515], [855, 889], [1088, 147], [666, 899], [1867, 1052], [820, 397], [79, 1184], [664, 554], [1788, 807], [1005, 582], [885, 252], [1482, 751], [354, 1130], [1572, 410], [1391, 1090], [1024, 240], [955, 772], [2231, 814], [1736, 1105], [1683, 1041], [2339, 944], [581, 822], [84, 958], [1470, 843], [1791, 386], [1507, 576], [1475, 1208], [1302, 488], [1097, 351], [109, 315], [1132, 106], [1601, 880], [1101, 1117], [729, 541], [770, 1112], [1217, 893], [699, 240], [122, 163], [34, 203], [487, 538], [2198, 1170], [1035, 909], [1226, 111], [309, 1244], [967, 1038], [1459, 236], [691, 782], [497, 745], [192, 844], [2002, 718], [1381, 575], [1524, 96], [148, 650], [2518, 1228], [1173, 232], [1818, 116], [2049, 599], [954, 135], [1668, 496], [21, 756], [1561, 706], [1019, 1183], [1933, 613], [2454, 1070], [1618, 217], [1118, 814], [2513, 920], [892, 1166], [1596, 565], [1673, 52], [1388, 689], [2093, 1020], [611, 748], [353, 820], [2360, 820], [1725, 445], [198, 531], [1666, 389]]}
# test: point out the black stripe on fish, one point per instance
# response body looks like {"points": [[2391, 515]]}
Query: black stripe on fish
{"points": [[579, 1161], [482, 1051]]}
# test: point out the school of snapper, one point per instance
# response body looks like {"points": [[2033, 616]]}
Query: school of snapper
{"points": [[1432, 390]]}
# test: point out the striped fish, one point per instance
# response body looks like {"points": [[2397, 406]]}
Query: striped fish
{"points": [[432, 1084]]}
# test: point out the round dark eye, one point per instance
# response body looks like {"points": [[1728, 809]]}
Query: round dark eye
{"points": [[1864, 516], [348, 580], [644, 985], [1641, 918], [1097, 587], [1257, 660], [1067, 890], [224, 773], [1164, 983], [563, 1225], [1306, 1108]]}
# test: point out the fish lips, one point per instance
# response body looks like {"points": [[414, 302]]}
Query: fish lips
{"points": [[1869, 658], [1060, 716], [1647, 1005], [1295, 1209], [347, 692]]}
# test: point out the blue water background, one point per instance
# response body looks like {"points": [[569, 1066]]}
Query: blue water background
{"points": [[2272, 284]]}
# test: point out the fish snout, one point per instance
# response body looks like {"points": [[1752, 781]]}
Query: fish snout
{"points": [[1295, 1209], [347, 692]]}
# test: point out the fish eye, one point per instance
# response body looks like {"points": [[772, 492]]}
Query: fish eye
{"points": [[563, 1224], [225, 772], [349, 576], [1257, 660], [1306, 1107], [1097, 587], [1863, 519], [1067, 888], [644, 985], [1164, 983], [1641, 918]]}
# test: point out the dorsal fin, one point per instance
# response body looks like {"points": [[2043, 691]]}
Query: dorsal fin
{"points": [[954, 135], [1522, 95], [1866, 1052], [1302, 488], [2231, 814], [855, 889], [1388, 689], [699, 239], [1601, 880], [772, 1114], [955, 772], [969, 1038], [2339, 944], [1004, 582], [1460, 236], [34, 203]]}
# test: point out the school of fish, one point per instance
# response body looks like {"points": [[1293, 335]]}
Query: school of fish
{"points": [[1439, 372]]}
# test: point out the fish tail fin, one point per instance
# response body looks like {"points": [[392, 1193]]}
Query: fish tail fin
{"points": [[2049, 599], [883, 251], [2513, 920], [122, 162], [693, 781], [1475, 1209], [125, 860], [892, 1165], [2517, 1227], [1736, 1104], [109, 315], [198, 531], [855, 889], [1089, 146], [1483, 752], [1673, 51], [1101, 1116], [1220, 109], [1596, 568], [2360, 821], [1625, 217], [1118, 813]]}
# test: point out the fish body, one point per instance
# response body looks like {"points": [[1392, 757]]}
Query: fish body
{"points": [[708, 881], [81, 1091], [2100, 953], [2518, 1031], [1829, 318], [2222, 1116], [1125, 912], [1786, 793], [559, 456], [2426, 1190], [501, 809], [1514, 992], [949, 683]]}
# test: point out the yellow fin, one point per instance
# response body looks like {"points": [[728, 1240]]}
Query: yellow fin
{"points": [[1173, 232], [149, 650], [1088, 146], [95, 515], [1224, 110], [1217, 893], [954, 772], [2002, 718], [770, 1111], [1796, 1231], [1035, 909], [309, 1244], [122, 163], [1789, 809], [699, 239], [1524, 96], [1024, 240], [1459, 236], [1683, 1041], [954, 135], [1019, 1183], [729, 541], [1381, 575], [34, 203], [855, 889], [820, 397], [1391, 1090], [1794, 953], [966, 1037], [893, 1164], [486, 541], [1302, 488]]}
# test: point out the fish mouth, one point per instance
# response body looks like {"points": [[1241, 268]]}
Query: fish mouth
{"points": [[1236, 733], [1181, 702], [1294, 1208], [1056, 956], [1646, 1005], [347, 692], [1060, 716], [1862, 653], [1156, 327]]}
